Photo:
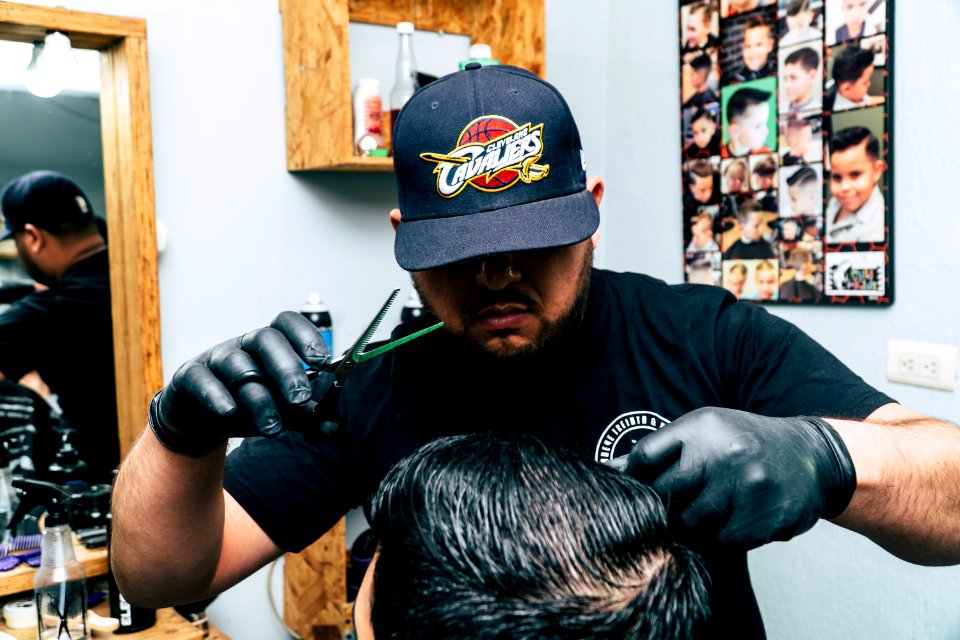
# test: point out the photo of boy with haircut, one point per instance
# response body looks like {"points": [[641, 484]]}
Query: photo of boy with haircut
{"points": [[735, 277], [799, 24], [800, 81], [703, 186], [751, 244], [704, 135], [757, 48], [803, 193], [700, 29], [852, 72], [697, 86], [798, 145], [856, 209], [860, 18], [803, 286], [748, 122], [765, 281], [735, 178]]}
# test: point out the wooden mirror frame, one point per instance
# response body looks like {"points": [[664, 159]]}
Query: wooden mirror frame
{"points": [[128, 190]]}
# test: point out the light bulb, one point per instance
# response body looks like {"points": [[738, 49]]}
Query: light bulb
{"points": [[39, 83], [51, 66]]}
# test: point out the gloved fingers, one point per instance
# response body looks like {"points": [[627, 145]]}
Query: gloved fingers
{"points": [[197, 381], [679, 485], [238, 372], [653, 454], [708, 512], [276, 358], [303, 335]]}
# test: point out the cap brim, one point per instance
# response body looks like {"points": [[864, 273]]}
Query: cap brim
{"points": [[555, 222]]}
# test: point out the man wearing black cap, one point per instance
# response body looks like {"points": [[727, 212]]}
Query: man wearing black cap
{"points": [[64, 331], [497, 223]]}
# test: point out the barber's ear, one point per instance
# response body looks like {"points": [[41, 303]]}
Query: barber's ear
{"points": [[33, 238], [595, 187], [395, 218]]}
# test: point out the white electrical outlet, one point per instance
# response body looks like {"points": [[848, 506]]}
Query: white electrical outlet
{"points": [[922, 364]]}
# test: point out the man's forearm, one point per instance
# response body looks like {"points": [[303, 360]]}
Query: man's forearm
{"points": [[908, 484], [168, 519]]}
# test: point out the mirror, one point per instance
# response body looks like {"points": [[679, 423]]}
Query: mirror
{"points": [[127, 191]]}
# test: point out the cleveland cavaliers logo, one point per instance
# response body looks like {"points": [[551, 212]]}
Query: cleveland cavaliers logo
{"points": [[624, 432], [492, 154]]}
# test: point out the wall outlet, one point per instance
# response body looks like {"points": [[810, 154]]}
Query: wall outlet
{"points": [[922, 364]]}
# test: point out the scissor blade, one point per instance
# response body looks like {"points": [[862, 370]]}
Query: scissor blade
{"points": [[356, 351], [396, 343]]}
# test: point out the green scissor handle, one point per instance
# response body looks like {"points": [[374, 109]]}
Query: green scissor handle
{"points": [[343, 366]]}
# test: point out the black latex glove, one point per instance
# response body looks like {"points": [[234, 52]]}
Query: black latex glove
{"points": [[741, 480], [246, 386]]}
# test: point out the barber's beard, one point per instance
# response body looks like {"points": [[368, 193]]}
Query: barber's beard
{"points": [[33, 270], [553, 332]]}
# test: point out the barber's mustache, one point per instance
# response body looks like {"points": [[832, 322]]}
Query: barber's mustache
{"points": [[511, 294]]}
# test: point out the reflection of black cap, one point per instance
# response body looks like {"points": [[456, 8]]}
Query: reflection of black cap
{"points": [[46, 199], [488, 160]]}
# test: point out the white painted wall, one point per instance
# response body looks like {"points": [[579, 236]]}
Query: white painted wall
{"points": [[248, 239]]}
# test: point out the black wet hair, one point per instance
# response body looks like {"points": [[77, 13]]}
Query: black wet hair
{"points": [[499, 535]]}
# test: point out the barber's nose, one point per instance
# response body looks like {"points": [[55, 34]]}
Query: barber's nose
{"points": [[499, 271]]}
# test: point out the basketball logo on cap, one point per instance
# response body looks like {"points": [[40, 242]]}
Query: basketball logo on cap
{"points": [[493, 153]]}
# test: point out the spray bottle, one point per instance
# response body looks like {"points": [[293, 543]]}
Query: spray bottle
{"points": [[8, 496], [60, 584]]}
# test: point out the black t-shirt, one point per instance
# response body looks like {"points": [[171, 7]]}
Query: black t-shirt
{"points": [[65, 333], [646, 354]]}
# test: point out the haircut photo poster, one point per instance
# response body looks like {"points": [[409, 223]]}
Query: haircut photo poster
{"points": [[786, 134]]}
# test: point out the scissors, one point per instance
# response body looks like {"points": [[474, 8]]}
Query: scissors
{"points": [[342, 367]]}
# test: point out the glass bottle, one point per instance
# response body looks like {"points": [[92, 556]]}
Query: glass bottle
{"points": [[406, 82]]}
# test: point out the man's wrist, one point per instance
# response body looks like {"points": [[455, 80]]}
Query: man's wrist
{"points": [[838, 496], [194, 447]]}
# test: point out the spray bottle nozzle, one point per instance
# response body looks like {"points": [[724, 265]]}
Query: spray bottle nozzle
{"points": [[33, 493]]}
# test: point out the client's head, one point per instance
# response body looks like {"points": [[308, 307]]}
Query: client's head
{"points": [[501, 536]]}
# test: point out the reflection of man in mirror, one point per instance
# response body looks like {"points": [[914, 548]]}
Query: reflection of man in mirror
{"points": [[59, 243]]}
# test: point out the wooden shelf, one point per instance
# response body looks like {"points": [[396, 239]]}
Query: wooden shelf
{"points": [[20, 579], [170, 626], [363, 164], [316, 59]]}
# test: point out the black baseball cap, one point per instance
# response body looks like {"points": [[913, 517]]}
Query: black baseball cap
{"points": [[488, 160], [46, 199]]}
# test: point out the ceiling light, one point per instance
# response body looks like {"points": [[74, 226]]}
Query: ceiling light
{"points": [[51, 65]]}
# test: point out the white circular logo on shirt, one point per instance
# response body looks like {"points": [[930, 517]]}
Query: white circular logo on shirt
{"points": [[624, 432]]}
